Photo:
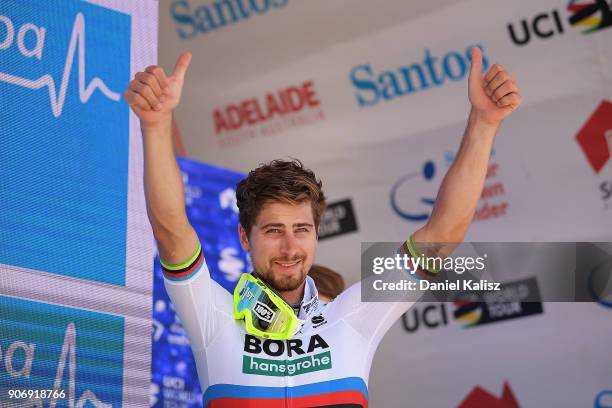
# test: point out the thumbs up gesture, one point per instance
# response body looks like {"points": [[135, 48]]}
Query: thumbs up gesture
{"points": [[493, 96], [153, 95]]}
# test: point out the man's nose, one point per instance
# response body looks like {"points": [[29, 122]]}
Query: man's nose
{"points": [[289, 245]]}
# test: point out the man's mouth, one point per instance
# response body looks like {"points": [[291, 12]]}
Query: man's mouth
{"points": [[287, 265]]}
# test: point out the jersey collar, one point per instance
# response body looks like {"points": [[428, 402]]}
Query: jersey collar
{"points": [[310, 301]]}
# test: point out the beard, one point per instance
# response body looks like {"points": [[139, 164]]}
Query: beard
{"points": [[283, 283]]}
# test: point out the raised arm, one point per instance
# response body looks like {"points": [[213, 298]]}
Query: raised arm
{"points": [[201, 306], [153, 96], [493, 97]]}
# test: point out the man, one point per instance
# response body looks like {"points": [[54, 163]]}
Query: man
{"points": [[326, 358]]}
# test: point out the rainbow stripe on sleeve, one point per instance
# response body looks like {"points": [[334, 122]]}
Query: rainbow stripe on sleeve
{"points": [[409, 248], [184, 270]]}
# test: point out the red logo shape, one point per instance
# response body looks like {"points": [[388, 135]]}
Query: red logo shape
{"points": [[481, 398], [595, 137]]}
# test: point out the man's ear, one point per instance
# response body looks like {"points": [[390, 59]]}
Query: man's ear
{"points": [[244, 238]]}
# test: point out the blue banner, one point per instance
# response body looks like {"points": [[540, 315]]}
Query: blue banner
{"points": [[64, 156], [48, 349]]}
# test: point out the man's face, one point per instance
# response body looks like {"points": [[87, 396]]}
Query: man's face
{"points": [[282, 244]]}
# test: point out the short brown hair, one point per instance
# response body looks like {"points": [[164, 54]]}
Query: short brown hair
{"points": [[285, 181]]}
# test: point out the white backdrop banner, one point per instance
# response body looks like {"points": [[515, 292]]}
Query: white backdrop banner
{"points": [[373, 97]]}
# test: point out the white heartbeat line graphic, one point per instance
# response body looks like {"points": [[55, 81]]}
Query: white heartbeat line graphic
{"points": [[85, 92], [69, 346]]}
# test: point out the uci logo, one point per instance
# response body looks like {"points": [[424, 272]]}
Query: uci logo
{"points": [[404, 183], [431, 316], [589, 16]]}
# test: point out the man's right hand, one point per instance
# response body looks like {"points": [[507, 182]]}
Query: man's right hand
{"points": [[153, 96]]}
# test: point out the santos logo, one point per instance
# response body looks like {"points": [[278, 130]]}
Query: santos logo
{"points": [[194, 18], [62, 64], [432, 71]]}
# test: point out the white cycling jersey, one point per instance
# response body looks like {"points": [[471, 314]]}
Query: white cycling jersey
{"points": [[327, 363]]}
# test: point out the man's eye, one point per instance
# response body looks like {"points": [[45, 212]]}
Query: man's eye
{"points": [[273, 231], [302, 229]]}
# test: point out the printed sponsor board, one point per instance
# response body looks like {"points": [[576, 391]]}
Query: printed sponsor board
{"points": [[193, 17], [50, 347], [472, 311], [589, 16], [267, 115], [338, 219], [311, 361], [64, 159]]}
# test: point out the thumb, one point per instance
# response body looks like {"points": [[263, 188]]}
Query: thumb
{"points": [[476, 67], [181, 65]]}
